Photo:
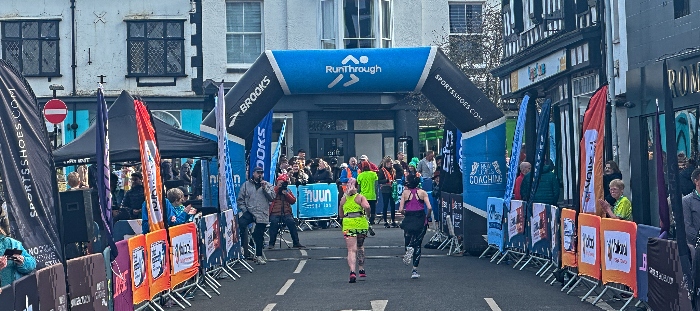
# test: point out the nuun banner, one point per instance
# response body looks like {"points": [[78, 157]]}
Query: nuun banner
{"points": [[318, 201]]}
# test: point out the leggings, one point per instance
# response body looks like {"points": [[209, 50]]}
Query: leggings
{"points": [[372, 210], [388, 199], [415, 239]]}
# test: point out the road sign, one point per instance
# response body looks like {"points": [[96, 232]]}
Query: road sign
{"points": [[55, 111]]}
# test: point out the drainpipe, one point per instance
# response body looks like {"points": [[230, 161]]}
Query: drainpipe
{"points": [[72, 34], [610, 73]]}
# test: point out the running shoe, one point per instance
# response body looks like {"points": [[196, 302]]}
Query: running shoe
{"points": [[408, 255], [353, 277], [414, 274], [386, 225], [362, 273], [260, 260], [394, 225]]}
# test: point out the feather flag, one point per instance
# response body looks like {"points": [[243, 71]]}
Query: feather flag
{"points": [[150, 161], [227, 195], [104, 193]]}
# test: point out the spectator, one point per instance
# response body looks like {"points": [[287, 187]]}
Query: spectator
{"points": [[426, 166], [74, 181], [548, 188], [610, 172], [351, 171], [82, 172], [685, 182], [366, 181], [301, 155], [524, 170], [4, 219], [373, 167], [412, 170], [386, 178], [133, 200], [307, 167], [254, 204], [178, 214], [17, 265], [186, 172], [298, 177], [323, 173], [166, 169], [335, 170], [197, 179], [623, 207], [691, 212], [400, 159], [281, 212]]}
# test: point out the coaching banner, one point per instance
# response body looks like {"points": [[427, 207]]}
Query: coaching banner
{"points": [[52, 288], [139, 269], [157, 250], [588, 245], [185, 256], [568, 238]]}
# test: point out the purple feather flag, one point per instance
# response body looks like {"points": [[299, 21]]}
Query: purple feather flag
{"points": [[103, 168], [664, 221]]}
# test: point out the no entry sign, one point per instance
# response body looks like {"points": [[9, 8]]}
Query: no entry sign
{"points": [[55, 111]]}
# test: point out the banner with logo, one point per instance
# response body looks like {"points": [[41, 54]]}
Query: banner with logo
{"points": [[446, 210], [123, 295], [569, 230], [126, 229], [644, 232], [516, 225], [150, 159], [140, 281], [157, 250], [619, 244], [554, 233], [317, 201], [26, 293], [104, 193], [51, 283], [665, 275], [229, 235], [514, 162], [27, 168], [276, 153], [542, 137], [495, 227], [211, 244], [225, 189], [452, 180], [588, 245], [591, 146], [540, 231], [7, 296], [184, 259], [260, 150], [87, 282], [458, 219]]}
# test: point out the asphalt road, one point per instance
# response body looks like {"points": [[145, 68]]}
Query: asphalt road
{"points": [[317, 279]]}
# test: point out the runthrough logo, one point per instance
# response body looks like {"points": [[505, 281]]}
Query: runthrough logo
{"points": [[351, 65]]}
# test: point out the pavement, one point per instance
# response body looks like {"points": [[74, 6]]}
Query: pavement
{"points": [[316, 278]]}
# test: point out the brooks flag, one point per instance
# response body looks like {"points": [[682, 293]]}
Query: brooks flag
{"points": [[592, 152], [227, 196], [28, 172], [150, 161], [102, 151]]}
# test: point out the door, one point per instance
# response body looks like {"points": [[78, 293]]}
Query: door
{"points": [[328, 146]]}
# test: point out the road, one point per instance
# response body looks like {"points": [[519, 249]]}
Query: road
{"points": [[317, 279]]}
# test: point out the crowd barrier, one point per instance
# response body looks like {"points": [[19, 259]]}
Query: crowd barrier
{"points": [[608, 256], [449, 209]]}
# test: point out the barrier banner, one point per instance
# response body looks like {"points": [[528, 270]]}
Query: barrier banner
{"points": [[516, 225], [539, 230], [229, 235], [588, 247], [157, 250], [7, 296], [107, 256], [446, 208], [495, 228], [123, 296], [51, 283], [451, 174], [262, 144], [87, 282], [139, 269], [665, 276], [568, 238], [185, 257], [619, 244], [644, 232], [26, 296], [318, 201], [555, 236], [458, 218], [209, 227]]}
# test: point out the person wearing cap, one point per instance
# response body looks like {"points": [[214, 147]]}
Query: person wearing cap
{"points": [[281, 212], [254, 207], [133, 199], [366, 181], [373, 167]]}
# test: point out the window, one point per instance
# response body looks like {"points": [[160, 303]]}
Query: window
{"points": [[466, 18], [386, 24], [32, 47], [156, 48], [366, 23], [328, 24], [243, 31], [681, 8]]}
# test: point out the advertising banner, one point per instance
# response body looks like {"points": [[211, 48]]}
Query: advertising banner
{"points": [[229, 235], [185, 256], [495, 233], [540, 230], [27, 168], [157, 250], [87, 282], [619, 240], [104, 193], [276, 153], [226, 181], [554, 233], [515, 152], [26, 295], [452, 180], [127, 229], [568, 238], [644, 232], [588, 245], [7, 296], [139, 269], [317, 201], [591, 146], [516, 225], [150, 159], [261, 148], [209, 227], [446, 209], [51, 283], [665, 275], [123, 296], [542, 137]]}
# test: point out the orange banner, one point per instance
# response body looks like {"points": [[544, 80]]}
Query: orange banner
{"points": [[150, 160], [592, 153], [588, 245], [568, 238], [619, 241], [158, 250], [184, 256], [139, 268]]}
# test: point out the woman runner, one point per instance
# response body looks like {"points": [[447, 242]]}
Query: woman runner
{"points": [[415, 221], [353, 209]]}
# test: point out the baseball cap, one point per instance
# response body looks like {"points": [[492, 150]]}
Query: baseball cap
{"points": [[363, 157], [258, 169], [283, 177]]}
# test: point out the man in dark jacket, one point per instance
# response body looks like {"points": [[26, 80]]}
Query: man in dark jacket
{"points": [[186, 172], [548, 188], [133, 199], [281, 212], [685, 182]]}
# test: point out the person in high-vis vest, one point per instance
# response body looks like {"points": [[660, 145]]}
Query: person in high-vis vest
{"points": [[349, 172], [353, 210]]}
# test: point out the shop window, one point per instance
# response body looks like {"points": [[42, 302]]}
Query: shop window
{"points": [[681, 8], [32, 47]]}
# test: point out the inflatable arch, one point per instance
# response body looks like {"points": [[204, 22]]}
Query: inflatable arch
{"points": [[393, 70]]}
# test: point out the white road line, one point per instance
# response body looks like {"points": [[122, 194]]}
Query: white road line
{"points": [[285, 287], [270, 307], [379, 305], [492, 304], [300, 266], [303, 252]]}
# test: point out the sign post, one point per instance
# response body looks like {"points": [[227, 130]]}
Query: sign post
{"points": [[55, 112]]}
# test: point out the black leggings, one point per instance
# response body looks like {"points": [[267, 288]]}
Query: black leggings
{"points": [[372, 210], [388, 199], [415, 239]]}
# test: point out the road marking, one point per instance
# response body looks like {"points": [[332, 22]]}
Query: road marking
{"points": [[300, 266], [270, 307], [379, 305], [492, 304], [303, 252], [285, 287], [343, 257]]}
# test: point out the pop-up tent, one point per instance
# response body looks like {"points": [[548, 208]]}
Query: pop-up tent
{"points": [[124, 142]]}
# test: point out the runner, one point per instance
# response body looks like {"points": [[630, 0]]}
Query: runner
{"points": [[353, 210], [415, 221]]}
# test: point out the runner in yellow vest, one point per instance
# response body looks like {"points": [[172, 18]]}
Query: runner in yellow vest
{"points": [[353, 211]]}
